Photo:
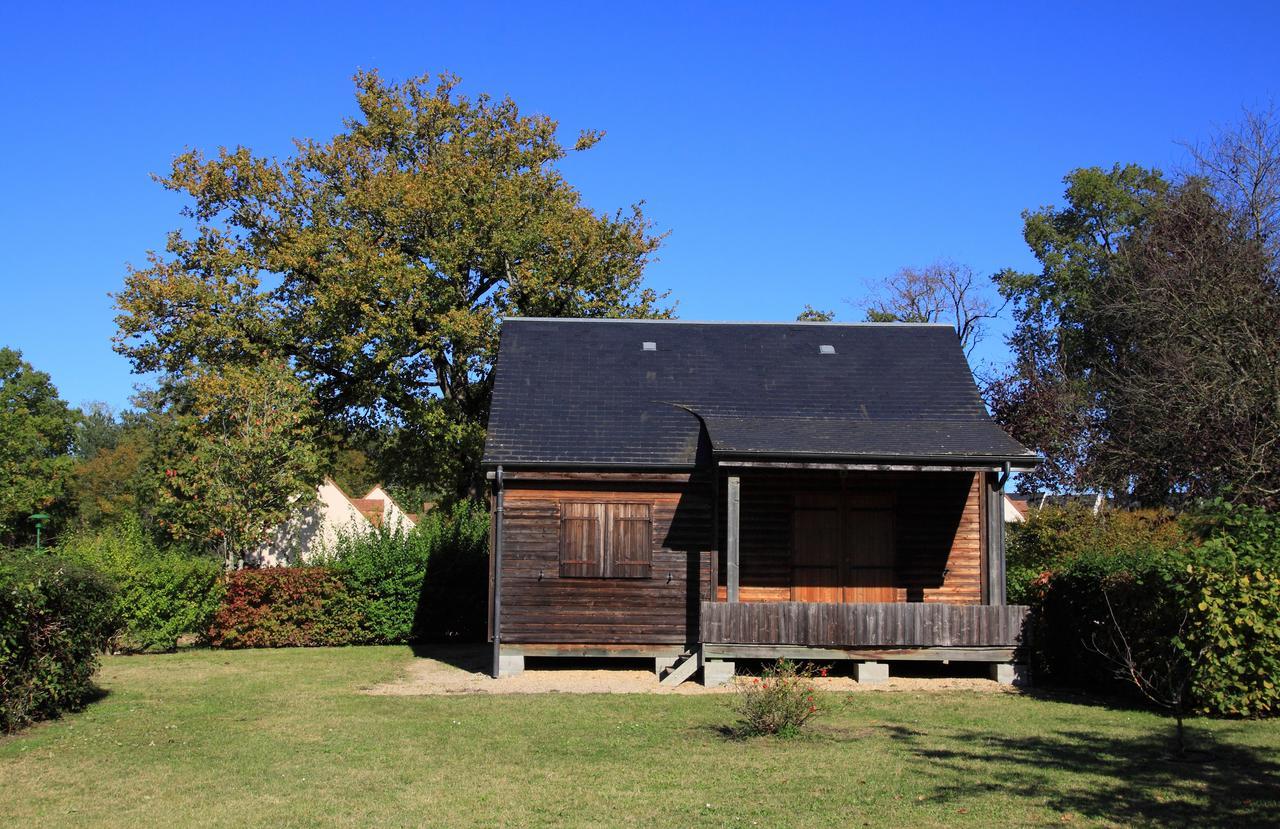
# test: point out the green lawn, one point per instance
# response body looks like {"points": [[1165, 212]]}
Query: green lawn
{"points": [[284, 738]]}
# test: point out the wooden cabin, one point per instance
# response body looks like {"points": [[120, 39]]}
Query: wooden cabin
{"points": [[700, 493]]}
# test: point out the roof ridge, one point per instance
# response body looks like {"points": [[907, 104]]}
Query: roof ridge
{"points": [[804, 323]]}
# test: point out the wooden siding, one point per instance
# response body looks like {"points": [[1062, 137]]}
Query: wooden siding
{"points": [[938, 531], [877, 625], [538, 606]]}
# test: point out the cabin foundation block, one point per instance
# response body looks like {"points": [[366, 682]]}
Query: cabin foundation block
{"points": [[661, 663], [1010, 673], [510, 664], [871, 673], [717, 672]]}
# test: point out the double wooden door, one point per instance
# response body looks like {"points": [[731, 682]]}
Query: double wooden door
{"points": [[842, 549]]}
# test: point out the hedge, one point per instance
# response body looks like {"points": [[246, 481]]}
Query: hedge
{"points": [[455, 587], [55, 619], [385, 587], [286, 606], [162, 595], [1202, 592], [383, 570], [1233, 600]]}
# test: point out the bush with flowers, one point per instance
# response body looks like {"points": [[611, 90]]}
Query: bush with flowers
{"points": [[780, 701]]}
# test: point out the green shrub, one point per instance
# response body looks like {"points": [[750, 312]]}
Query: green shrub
{"points": [[779, 702], [1199, 596], [1053, 537], [428, 583], [383, 570], [1234, 605], [455, 592], [55, 618], [1081, 606], [161, 594], [287, 607]]}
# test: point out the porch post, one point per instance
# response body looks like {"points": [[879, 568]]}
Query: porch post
{"points": [[995, 592], [734, 504]]}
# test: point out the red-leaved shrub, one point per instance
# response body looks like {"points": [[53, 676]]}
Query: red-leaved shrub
{"points": [[287, 607]]}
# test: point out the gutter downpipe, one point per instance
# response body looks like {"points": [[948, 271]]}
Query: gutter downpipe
{"points": [[497, 569]]}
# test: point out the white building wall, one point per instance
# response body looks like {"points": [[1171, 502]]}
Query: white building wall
{"points": [[312, 530], [392, 516]]}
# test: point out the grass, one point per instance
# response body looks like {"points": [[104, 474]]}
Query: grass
{"points": [[283, 738]]}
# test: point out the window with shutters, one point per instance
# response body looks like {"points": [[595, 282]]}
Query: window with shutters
{"points": [[606, 540]]}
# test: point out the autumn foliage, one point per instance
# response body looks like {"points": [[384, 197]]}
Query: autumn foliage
{"points": [[287, 607]]}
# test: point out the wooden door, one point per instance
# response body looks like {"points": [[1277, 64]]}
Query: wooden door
{"points": [[842, 550], [815, 561], [868, 536]]}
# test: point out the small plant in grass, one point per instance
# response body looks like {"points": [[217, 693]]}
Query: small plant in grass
{"points": [[780, 701]]}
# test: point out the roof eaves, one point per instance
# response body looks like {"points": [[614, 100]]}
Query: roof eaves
{"points": [[794, 323], [1028, 461], [490, 463]]}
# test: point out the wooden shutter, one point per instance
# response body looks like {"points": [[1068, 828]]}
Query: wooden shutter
{"points": [[630, 541], [581, 540]]}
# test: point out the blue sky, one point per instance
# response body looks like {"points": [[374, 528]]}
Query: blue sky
{"points": [[792, 153]]}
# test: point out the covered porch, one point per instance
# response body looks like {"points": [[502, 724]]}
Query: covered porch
{"points": [[865, 562]]}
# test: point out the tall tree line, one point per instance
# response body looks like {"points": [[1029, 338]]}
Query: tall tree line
{"points": [[1147, 348]]}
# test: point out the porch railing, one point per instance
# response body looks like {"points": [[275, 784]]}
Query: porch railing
{"points": [[887, 625]]}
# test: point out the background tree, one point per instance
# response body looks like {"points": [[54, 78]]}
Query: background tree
{"points": [[121, 475], [811, 314], [391, 251], [941, 292], [1187, 363], [1046, 399], [37, 431], [354, 471], [1146, 350], [97, 428], [240, 454], [1241, 164]]}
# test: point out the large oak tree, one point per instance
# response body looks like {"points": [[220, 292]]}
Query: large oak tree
{"points": [[381, 262]]}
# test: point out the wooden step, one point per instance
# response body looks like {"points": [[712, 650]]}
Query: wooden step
{"points": [[684, 668]]}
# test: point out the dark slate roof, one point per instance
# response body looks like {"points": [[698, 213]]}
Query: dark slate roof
{"points": [[585, 392]]}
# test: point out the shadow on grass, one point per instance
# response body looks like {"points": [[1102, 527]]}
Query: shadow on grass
{"points": [[813, 733], [1128, 779], [470, 657], [93, 694]]}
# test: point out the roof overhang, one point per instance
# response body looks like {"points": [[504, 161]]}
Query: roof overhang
{"points": [[587, 466], [901, 463], [946, 463]]}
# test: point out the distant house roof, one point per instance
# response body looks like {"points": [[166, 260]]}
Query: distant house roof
{"points": [[1092, 501], [656, 393]]}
